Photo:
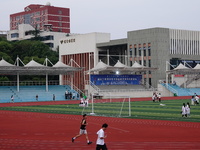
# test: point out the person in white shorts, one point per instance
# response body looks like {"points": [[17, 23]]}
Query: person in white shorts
{"points": [[101, 145], [83, 130]]}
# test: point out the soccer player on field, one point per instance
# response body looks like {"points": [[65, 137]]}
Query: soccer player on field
{"points": [[83, 130]]}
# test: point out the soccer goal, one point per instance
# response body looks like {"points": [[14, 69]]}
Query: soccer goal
{"points": [[113, 106]]}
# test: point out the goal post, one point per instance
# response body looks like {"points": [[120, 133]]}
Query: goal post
{"points": [[116, 106]]}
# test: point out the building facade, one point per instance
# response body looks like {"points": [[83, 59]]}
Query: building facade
{"points": [[154, 47], [43, 17], [24, 33], [80, 48]]}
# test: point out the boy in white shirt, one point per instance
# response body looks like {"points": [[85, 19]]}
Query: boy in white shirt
{"points": [[101, 145]]}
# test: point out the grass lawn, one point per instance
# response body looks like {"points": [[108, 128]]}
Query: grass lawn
{"points": [[165, 110]]}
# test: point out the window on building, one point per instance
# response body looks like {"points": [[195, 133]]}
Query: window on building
{"points": [[135, 49], [149, 51], [131, 63], [150, 83], [50, 45], [140, 52], [27, 19], [14, 35], [59, 17], [149, 63], [60, 12], [37, 13], [145, 63], [46, 38], [37, 19], [130, 51], [17, 18], [60, 24], [145, 52]]}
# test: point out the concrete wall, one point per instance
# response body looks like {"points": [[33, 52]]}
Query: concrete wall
{"points": [[159, 40]]}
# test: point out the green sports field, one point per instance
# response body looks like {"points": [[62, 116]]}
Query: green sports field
{"points": [[165, 110]]}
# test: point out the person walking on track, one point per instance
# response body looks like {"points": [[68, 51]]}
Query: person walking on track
{"points": [[101, 145]]}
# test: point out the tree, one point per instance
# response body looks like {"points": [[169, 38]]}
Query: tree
{"points": [[5, 46], [6, 57]]}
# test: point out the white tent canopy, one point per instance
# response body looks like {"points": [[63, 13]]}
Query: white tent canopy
{"points": [[120, 67], [197, 66], [119, 64], [181, 66], [33, 63], [182, 69], [137, 65], [60, 64], [34, 68], [99, 67], [4, 63]]}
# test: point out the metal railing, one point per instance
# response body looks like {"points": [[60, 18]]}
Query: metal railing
{"points": [[28, 83], [168, 87], [66, 82]]}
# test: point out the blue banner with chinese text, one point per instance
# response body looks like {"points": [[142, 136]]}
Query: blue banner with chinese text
{"points": [[116, 79]]}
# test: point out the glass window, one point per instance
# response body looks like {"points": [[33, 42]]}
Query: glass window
{"points": [[135, 49], [145, 63], [14, 35], [149, 51], [149, 63], [144, 52], [59, 12], [140, 53]]}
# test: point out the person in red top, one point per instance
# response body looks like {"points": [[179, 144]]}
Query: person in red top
{"points": [[83, 130]]}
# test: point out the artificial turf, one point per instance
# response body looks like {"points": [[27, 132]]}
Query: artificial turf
{"points": [[165, 110]]}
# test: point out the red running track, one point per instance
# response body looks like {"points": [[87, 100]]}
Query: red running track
{"points": [[44, 131]]}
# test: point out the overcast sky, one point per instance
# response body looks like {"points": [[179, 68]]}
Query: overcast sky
{"points": [[116, 16]]}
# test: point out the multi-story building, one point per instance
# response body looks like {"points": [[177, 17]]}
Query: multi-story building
{"points": [[80, 48], [24, 32], [155, 47], [43, 17]]}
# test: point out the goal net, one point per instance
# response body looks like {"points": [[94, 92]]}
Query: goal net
{"points": [[114, 106]]}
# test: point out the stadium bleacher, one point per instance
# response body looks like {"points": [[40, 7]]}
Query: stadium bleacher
{"points": [[182, 91], [28, 93]]}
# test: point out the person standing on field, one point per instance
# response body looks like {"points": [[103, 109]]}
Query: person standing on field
{"points": [[83, 130], [184, 111], [188, 109], [101, 145]]}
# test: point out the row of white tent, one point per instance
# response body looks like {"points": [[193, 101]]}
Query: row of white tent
{"points": [[183, 69], [34, 67], [60, 68], [136, 67]]}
